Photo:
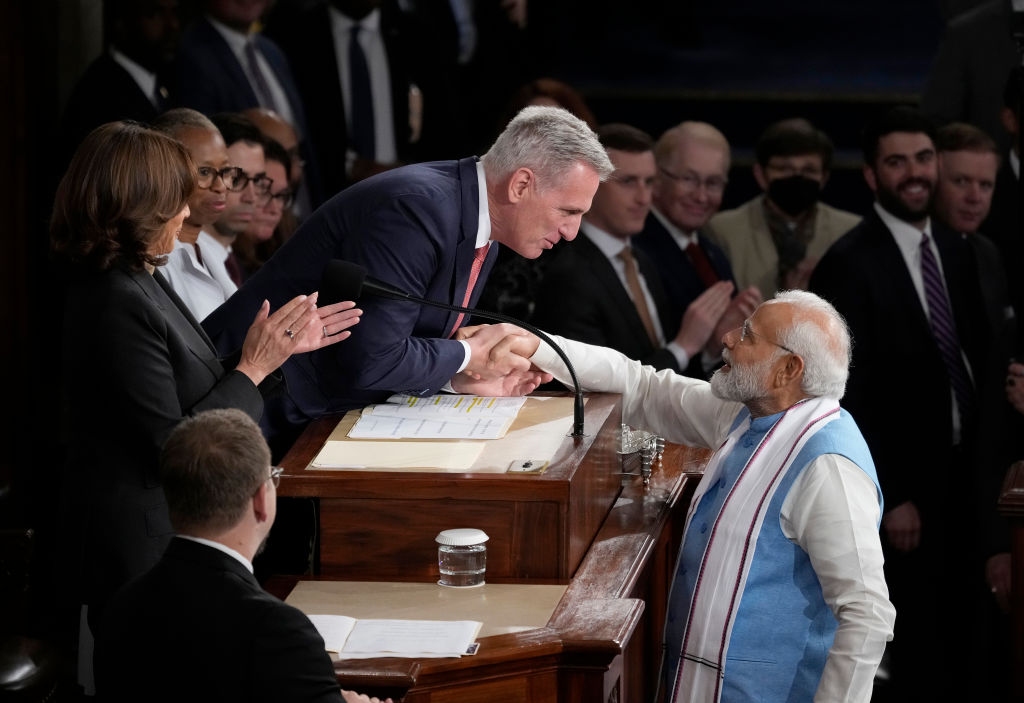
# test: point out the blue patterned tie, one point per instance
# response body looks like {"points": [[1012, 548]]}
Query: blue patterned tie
{"points": [[940, 318], [361, 138]]}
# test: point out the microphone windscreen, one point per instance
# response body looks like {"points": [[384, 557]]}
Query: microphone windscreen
{"points": [[342, 280]]}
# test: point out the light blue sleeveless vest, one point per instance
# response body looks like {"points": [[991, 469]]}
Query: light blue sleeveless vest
{"points": [[783, 628]]}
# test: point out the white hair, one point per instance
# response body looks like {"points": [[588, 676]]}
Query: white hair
{"points": [[819, 335], [549, 141]]}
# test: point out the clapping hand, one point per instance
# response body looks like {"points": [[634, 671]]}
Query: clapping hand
{"points": [[298, 326]]}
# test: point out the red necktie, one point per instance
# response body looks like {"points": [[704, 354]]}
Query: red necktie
{"points": [[702, 264], [479, 256]]}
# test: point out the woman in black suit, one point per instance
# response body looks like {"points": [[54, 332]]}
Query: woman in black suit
{"points": [[135, 361]]}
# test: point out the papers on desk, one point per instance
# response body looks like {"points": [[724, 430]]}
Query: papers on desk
{"points": [[437, 417], [420, 639]]}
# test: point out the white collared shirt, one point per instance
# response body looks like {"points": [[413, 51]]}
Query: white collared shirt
{"points": [[193, 280], [372, 42], [483, 236], [908, 240], [221, 548], [682, 239], [145, 79], [610, 246], [1015, 163], [237, 42]]}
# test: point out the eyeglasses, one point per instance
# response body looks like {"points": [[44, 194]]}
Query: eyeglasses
{"points": [[261, 183], [285, 198], [690, 181], [233, 177], [275, 475], [746, 332]]}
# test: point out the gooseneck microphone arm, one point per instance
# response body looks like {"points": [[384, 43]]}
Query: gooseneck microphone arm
{"points": [[344, 280]]}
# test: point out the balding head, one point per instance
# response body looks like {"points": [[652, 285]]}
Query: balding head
{"points": [[693, 170], [274, 126]]}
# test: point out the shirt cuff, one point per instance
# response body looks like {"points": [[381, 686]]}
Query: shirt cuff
{"points": [[682, 358], [469, 353]]}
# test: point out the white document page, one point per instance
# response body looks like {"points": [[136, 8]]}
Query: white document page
{"points": [[368, 639]]}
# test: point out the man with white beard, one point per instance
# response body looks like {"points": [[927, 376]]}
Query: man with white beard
{"points": [[779, 592]]}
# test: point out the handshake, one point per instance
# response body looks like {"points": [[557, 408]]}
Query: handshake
{"points": [[499, 361]]}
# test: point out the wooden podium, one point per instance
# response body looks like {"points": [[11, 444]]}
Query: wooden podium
{"points": [[380, 525], [602, 640]]}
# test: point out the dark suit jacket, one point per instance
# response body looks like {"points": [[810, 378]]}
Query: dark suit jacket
{"points": [[104, 93], [308, 40], [971, 67], [413, 227], [203, 620], [675, 268], [898, 388], [1003, 227], [210, 79], [135, 363], [582, 298]]}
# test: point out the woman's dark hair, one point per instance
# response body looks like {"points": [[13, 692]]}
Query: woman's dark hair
{"points": [[124, 183]]}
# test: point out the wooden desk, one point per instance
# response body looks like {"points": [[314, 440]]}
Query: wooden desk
{"points": [[380, 525], [1011, 505], [602, 642]]}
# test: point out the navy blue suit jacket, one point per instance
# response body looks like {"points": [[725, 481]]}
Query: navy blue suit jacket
{"points": [[210, 79], [678, 276], [413, 227]]}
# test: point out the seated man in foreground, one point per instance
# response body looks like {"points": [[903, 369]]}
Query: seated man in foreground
{"points": [[199, 613], [805, 614]]}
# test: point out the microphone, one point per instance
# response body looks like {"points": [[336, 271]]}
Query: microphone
{"points": [[344, 280]]}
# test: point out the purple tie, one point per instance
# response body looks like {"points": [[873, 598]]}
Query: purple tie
{"points": [[940, 318]]}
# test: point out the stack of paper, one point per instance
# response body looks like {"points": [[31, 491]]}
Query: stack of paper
{"points": [[438, 417], [369, 639]]}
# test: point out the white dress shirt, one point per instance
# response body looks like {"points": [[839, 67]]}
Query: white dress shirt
{"points": [[611, 246], [372, 42], [194, 280], [145, 79], [219, 546], [237, 41], [831, 511]]}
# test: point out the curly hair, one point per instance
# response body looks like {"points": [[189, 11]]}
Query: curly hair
{"points": [[124, 183]]}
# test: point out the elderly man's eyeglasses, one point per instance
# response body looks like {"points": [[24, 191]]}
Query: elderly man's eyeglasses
{"points": [[691, 182], [233, 177], [747, 333], [275, 475]]}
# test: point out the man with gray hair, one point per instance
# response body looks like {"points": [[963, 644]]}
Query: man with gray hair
{"points": [[200, 611], [427, 229], [779, 592]]}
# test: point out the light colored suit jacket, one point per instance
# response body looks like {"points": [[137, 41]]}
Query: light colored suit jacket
{"points": [[743, 235]]}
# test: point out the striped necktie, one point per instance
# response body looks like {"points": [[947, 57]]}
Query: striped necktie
{"points": [[940, 318]]}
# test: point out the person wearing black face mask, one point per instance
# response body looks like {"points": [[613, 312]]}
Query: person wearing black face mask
{"points": [[775, 240]]}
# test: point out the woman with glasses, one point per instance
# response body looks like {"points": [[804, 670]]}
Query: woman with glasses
{"points": [[273, 223], [195, 269], [135, 362]]}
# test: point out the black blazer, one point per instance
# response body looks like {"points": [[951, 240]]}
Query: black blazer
{"points": [[105, 92], [898, 389], [135, 363], [201, 617], [682, 284], [582, 298]]}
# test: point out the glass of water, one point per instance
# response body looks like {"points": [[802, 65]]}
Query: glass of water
{"points": [[462, 557]]}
